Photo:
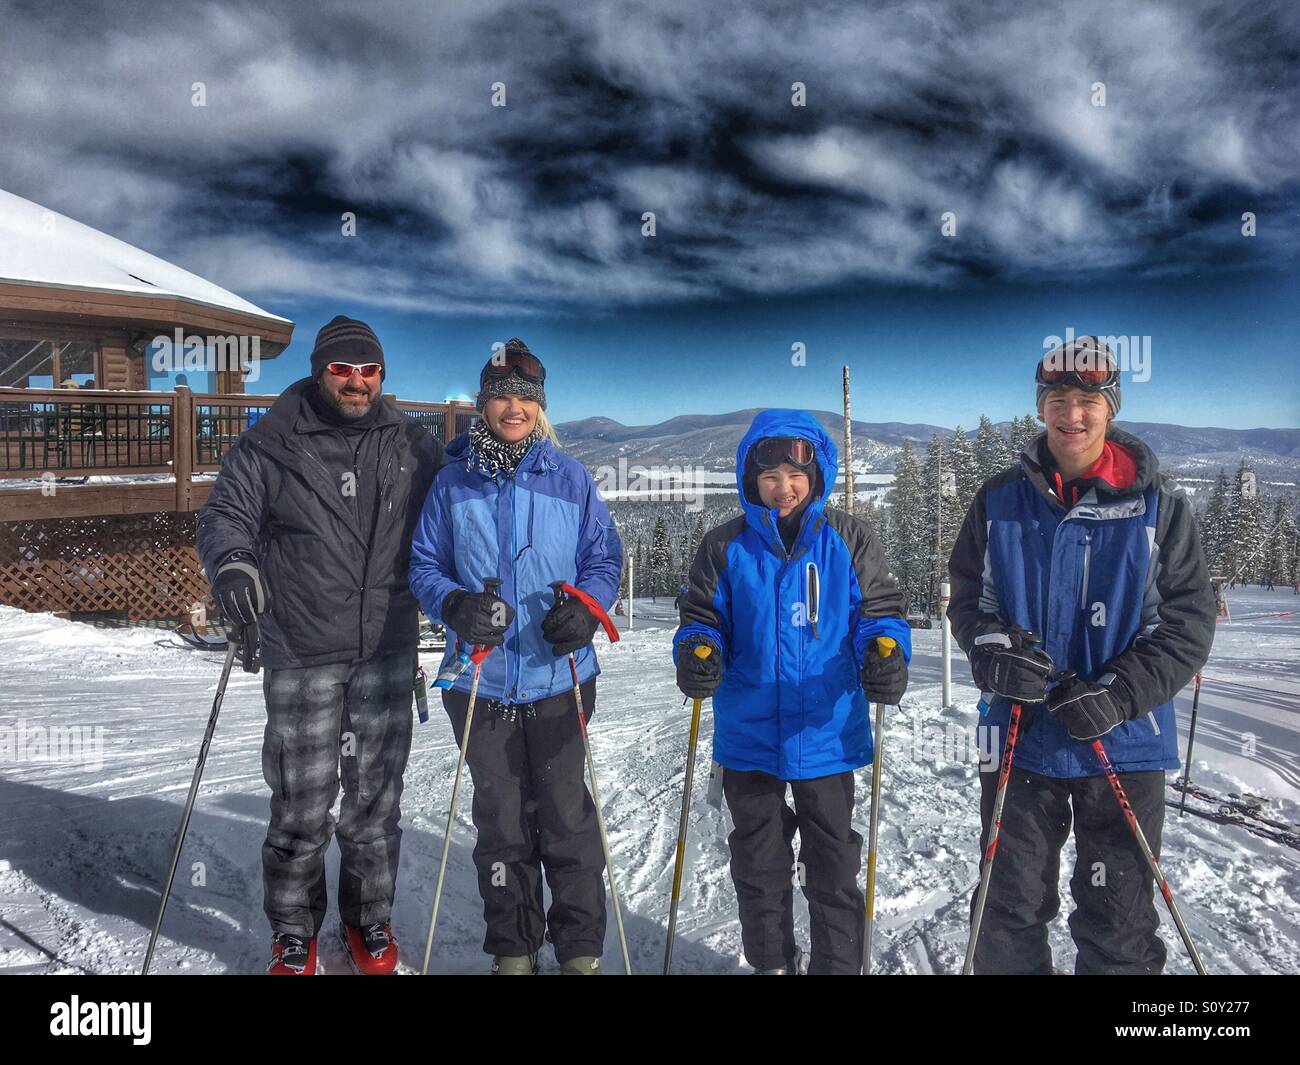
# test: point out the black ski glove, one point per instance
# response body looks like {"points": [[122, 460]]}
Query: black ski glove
{"points": [[1009, 663], [1087, 710], [884, 680], [478, 617], [699, 678], [569, 625], [238, 589]]}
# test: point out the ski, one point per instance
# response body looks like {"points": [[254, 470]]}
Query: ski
{"points": [[1242, 805], [1225, 817], [203, 641]]}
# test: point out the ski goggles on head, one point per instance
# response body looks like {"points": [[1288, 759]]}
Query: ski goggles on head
{"points": [[367, 370], [509, 361], [1086, 368], [774, 451]]}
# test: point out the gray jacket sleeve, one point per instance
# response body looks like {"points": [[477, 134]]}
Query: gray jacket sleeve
{"points": [[973, 608], [235, 513], [1178, 614]]}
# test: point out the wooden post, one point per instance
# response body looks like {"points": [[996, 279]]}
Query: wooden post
{"points": [[848, 446], [183, 445]]}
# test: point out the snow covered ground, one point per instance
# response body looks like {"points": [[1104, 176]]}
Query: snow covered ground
{"points": [[85, 837]]}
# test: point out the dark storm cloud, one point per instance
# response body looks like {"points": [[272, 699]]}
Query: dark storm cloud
{"points": [[679, 108]]}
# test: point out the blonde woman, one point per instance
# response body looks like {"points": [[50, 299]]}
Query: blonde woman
{"points": [[510, 506]]}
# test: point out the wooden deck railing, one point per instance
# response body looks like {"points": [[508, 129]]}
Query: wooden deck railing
{"points": [[59, 434]]}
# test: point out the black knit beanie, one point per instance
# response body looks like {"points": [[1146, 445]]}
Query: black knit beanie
{"points": [[346, 340]]}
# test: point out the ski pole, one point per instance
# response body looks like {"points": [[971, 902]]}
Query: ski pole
{"points": [[702, 651], [231, 647], [1141, 838], [991, 850], [1191, 739], [480, 652], [884, 648], [561, 589]]}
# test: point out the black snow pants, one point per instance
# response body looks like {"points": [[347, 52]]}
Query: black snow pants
{"points": [[534, 814], [1114, 922], [764, 869]]}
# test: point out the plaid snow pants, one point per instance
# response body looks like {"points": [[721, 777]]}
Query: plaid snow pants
{"points": [[351, 720]]}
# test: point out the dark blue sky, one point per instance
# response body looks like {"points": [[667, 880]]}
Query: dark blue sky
{"points": [[1222, 352], [1095, 156]]}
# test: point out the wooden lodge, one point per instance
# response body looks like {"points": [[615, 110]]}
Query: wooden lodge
{"points": [[109, 438]]}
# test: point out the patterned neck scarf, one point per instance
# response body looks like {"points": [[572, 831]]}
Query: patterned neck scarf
{"points": [[490, 453]]}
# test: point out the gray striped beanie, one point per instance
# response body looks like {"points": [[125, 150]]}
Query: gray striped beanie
{"points": [[346, 340]]}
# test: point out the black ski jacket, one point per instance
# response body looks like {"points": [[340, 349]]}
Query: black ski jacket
{"points": [[336, 594]]}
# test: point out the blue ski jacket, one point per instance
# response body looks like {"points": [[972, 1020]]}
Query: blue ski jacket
{"points": [[1116, 587], [792, 626], [544, 522]]}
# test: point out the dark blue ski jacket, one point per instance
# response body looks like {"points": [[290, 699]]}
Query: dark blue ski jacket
{"points": [[1117, 588], [792, 627]]}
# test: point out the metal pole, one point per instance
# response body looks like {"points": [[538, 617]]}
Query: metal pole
{"points": [[884, 648], [631, 595], [848, 445], [451, 813], [1191, 739], [995, 828], [600, 816], [700, 652], [945, 595], [1141, 838], [231, 647]]}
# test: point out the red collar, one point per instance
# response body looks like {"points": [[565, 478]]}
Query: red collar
{"points": [[1115, 467]]}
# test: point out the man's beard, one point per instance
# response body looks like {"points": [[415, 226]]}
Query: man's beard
{"points": [[346, 411]]}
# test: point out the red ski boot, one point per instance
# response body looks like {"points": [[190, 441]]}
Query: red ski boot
{"points": [[292, 956], [372, 951]]}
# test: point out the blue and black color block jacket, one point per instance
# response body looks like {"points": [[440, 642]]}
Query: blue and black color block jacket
{"points": [[1116, 586], [792, 625]]}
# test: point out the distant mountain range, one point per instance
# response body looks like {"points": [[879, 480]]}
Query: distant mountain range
{"points": [[710, 441]]}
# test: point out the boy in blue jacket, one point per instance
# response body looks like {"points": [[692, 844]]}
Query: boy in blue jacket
{"points": [[790, 597], [1084, 544]]}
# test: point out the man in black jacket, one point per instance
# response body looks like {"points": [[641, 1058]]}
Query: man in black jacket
{"points": [[307, 538]]}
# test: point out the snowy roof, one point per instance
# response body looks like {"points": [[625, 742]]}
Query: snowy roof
{"points": [[40, 246]]}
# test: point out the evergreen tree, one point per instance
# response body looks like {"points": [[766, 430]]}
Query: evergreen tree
{"points": [[1244, 556], [1214, 525], [661, 559], [966, 468], [943, 514], [906, 528], [992, 451], [1021, 432], [1278, 558]]}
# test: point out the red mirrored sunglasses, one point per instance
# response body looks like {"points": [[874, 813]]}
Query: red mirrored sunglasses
{"points": [[344, 369]]}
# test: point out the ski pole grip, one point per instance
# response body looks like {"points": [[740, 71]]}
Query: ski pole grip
{"points": [[590, 604], [885, 646], [480, 651]]}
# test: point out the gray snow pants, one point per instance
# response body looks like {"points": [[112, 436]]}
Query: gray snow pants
{"points": [[352, 720]]}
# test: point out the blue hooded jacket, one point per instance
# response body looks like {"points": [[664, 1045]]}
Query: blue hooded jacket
{"points": [[792, 626], [544, 522]]}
